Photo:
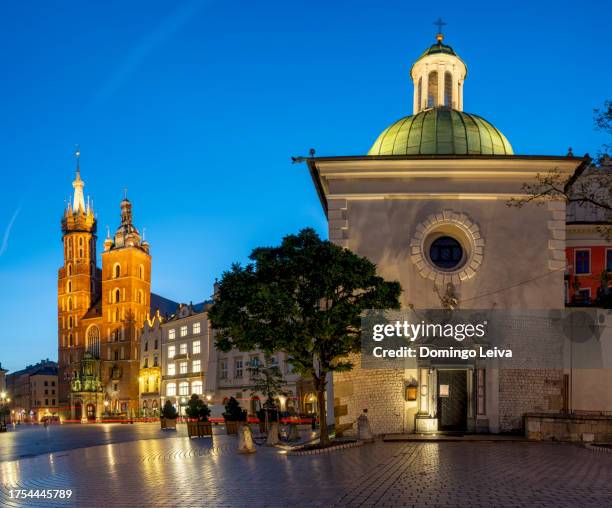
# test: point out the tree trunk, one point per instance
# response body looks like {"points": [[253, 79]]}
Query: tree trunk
{"points": [[319, 384]]}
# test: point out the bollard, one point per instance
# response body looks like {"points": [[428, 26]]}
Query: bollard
{"points": [[294, 435], [273, 435], [364, 431], [245, 440]]}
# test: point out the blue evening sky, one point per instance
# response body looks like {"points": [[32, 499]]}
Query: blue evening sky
{"points": [[197, 106]]}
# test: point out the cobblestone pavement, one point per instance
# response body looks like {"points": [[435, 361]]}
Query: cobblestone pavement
{"points": [[182, 472]]}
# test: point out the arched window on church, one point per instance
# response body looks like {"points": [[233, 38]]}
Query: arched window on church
{"points": [[117, 271], [448, 89], [93, 341], [420, 94], [117, 315], [70, 304], [69, 287], [70, 340], [139, 296], [117, 295], [69, 270], [141, 272], [70, 321], [432, 89]]}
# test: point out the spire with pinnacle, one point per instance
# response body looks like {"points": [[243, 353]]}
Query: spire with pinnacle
{"points": [[78, 203]]}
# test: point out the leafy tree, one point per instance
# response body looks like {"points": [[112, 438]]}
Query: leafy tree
{"points": [[590, 187], [233, 411], [267, 380], [304, 297], [169, 411]]}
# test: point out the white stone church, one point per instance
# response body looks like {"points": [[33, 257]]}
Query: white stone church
{"points": [[428, 205]]}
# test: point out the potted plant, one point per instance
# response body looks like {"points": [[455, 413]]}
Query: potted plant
{"points": [[198, 413], [233, 415], [168, 416]]}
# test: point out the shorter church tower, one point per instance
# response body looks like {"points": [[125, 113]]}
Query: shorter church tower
{"points": [[125, 304]]}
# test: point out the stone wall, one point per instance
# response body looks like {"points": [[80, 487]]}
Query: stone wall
{"points": [[522, 391], [380, 391], [573, 427]]}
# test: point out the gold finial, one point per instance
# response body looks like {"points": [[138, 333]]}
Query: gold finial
{"points": [[439, 23]]}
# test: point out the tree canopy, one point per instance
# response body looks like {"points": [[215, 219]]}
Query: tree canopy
{"points": [[304, 297]]}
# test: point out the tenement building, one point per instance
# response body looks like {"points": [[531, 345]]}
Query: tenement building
{"points": [[428, 204], [101, 312], [185, 348], [33, 392]]}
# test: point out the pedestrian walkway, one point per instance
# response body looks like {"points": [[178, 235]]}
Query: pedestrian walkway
{"points": [[185, 472]]}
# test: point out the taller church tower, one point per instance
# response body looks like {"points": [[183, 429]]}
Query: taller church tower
{"points": [[78, 282]]}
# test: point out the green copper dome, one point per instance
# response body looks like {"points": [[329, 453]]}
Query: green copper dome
{"points": [[441, 131]]}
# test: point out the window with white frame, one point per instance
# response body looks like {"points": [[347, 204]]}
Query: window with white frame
{"points": [[196, 366], [196, 328], [196, 387], [171, 351], [238, 368], [184, 388], [223, 369], [195, 348], [183, 349], [183, 330], [171, 389], [183, 368], [171, 369], [171, 333]]}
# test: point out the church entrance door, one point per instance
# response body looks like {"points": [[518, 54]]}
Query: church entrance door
{"points": [[452, 400], [91, 412]]}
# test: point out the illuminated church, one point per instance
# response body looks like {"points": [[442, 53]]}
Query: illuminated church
{"points": [[101, 312], [428, 205]]}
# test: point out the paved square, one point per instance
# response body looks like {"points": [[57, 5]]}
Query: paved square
{"points": [[167, 469]]}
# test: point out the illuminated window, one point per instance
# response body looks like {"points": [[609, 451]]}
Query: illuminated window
{"points": [[196, 387], [432, 89], [183, 331], [171, 369], [196, 347], [448, 89], [184, 388], [183, 349], [171, 389], [171, 333], [171, 351], [196, 328], [183, 368], [196, 366]]}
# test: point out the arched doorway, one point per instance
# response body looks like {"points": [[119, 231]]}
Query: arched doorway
{"points": [[78, 410], [91, 412], [154, 408]]}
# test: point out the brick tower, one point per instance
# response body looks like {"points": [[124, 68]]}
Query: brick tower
{"points": [[78, 284]]}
